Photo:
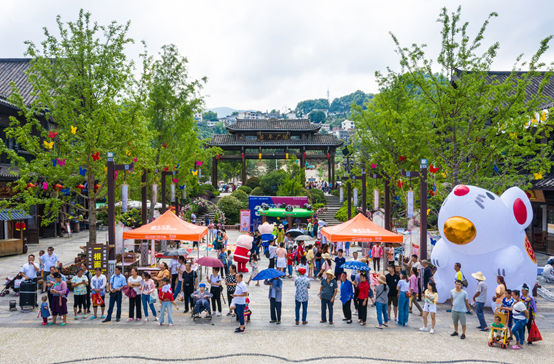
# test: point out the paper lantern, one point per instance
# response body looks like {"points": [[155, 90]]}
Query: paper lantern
{"points": [[287, 156], [328, 155], [96, 187], [242, 155], [81, 187], [304, 154], [58, 187], [219, 157], [260, 156], [31, 185]]}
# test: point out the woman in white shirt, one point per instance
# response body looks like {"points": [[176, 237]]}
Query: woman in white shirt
{"points": [[521, 315], [135, 282], [403, 288], [215, 290], [147, 288], [98, 286]]}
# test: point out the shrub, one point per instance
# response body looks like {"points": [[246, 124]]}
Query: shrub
{"points": [[342, 213], [231, 207], [291, 187], [206, 187], [318, 205], [305, 192], [242, 197], [318, 196], [258, 191], [271, 182], [252, 182], [336, 192], [245, 189]]}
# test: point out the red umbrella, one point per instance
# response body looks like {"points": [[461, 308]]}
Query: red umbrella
{"points": [[209, 262]]}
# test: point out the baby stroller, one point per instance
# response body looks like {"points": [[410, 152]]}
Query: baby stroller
{"points": [[193, 309], [503, 339], [12, 283]]}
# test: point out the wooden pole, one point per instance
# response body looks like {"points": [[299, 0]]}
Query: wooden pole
{"points": [[423, 212], [364, 194]]}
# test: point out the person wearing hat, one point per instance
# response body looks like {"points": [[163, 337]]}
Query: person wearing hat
{"points": [[531, 305], [302, 284], [346, 296], [326, 264], [480, 297], [202, 300], [327, 293], [381, 301], [280, 234]]}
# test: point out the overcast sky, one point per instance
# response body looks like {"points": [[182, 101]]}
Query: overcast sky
{"points": [[268, 54]]}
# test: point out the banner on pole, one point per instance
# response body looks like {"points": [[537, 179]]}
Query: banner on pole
{"points": [[410, 204], [375, 199], [154, 195], [415, 249], [341, 195], [124, 197], [172, 192], [244, 221], [355, 197]]}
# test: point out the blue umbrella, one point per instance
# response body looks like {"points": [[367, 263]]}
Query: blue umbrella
{"points": [[269, 273], [355, 265]]}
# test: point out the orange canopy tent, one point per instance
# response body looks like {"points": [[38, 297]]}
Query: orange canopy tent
{"points": [[168, 227], [360, 229]]}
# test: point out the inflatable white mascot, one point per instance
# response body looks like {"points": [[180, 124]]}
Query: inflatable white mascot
{"points": [[484, 232]]}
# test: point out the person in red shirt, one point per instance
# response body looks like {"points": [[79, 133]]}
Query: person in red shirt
{"points": [[166, 298], [363, 295], [290, 261], [300, 249]]}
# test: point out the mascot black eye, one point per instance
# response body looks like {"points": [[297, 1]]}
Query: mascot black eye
{"points": [[490, 195]]}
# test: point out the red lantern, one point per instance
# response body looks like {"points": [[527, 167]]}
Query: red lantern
{"points": [[81, 187], [304, 155], [242, 155], [31, 185], [219, 157], [58, 187], [327, 155], [17, 226], [23, 226], [96, 187]]}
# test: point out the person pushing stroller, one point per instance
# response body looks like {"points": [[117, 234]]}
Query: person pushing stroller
{"points": [[202, 299]]}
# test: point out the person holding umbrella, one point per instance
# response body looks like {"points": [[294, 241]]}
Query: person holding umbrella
{"points": [[346, 295], [327, 293], [275, 296]]}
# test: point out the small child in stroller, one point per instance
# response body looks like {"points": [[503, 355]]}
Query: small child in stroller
{"points": [[12, 283]]}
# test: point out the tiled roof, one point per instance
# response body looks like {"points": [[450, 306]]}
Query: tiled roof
{"points": [[273, 124], [219, 140], [9, 214], [545, 183], [532, 88], [13, 70]]}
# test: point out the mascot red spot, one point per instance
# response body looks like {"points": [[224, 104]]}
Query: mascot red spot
{"points": [[520, 211], [461, 190]]}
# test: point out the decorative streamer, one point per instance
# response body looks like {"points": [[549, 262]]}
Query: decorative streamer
{"points": [[124, 197], [355, 197], [172, 187], [410, 204], [341, 195], [375, 199], [154, 196]]}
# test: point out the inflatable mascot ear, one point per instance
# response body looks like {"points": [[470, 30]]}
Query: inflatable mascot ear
{"points": [[519, 206]]}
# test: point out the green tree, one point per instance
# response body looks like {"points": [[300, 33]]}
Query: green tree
{"points": [[210, 116], [270, 182], [231, 207], [291, 187], [306, 106], [316, 117], [85, 87], [219, 128], [173, 99]]}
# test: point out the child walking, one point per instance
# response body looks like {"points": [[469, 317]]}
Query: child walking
{"points": [[254, 265], [166, 298], [44, 311]]}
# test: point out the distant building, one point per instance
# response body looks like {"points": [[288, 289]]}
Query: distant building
{"points": [[325, 127], [212, 122], [347, 125], [342, 134], [229, 120], [198, 117], [291, 115], [251, 115]]}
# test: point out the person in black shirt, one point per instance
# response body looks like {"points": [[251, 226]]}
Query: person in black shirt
{"points": [[190, 281], [427, 273], [392, 282], [339, 261]]}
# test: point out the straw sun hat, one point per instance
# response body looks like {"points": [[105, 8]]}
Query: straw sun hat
{"points": [[329, 271], [479, 276], [326, 256], [382, 279]]}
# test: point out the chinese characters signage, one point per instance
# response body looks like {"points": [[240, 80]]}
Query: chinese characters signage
{"points": [[97, 257], [273, 136]]}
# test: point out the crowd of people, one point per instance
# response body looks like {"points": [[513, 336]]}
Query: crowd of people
{"points": [[393, 294]]}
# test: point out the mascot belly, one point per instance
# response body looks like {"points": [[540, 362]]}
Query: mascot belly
{"points": [[242, 252], [484, 232]]}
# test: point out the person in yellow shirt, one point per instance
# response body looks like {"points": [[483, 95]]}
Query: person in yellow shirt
{"points": [[431, 298]]}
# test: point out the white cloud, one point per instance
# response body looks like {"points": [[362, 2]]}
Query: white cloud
{"points": [[268, 54]]}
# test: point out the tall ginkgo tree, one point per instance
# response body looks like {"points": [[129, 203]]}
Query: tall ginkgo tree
{"points": [[84, 85]]}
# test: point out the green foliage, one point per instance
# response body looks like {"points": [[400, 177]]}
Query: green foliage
{"points": [[342, 213], [258, 191], [318, 196], [242, 197], [210, 116], [270, 182], [343, 104], [318, 205], [231, 207], [245, 189], [252, 182], [335, 193], [291, 187], [219, 128], [316, 117], [305, 107]]}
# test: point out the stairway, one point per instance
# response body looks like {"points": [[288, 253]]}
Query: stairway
{"points": [[333, 205]]}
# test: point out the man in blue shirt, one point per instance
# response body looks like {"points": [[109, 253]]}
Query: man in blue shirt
{"points": [[339, 261], [117, 282], [275, 296]]}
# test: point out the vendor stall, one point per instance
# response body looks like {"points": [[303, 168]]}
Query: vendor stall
{"points": [[286, 214], [361, 229], [167, 227], [13, 223]]}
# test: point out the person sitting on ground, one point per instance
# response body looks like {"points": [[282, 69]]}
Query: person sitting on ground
{"points": [[202, 300], [497, 324]]}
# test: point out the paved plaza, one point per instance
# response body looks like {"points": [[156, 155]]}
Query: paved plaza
{"points": [[208, 338]]}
